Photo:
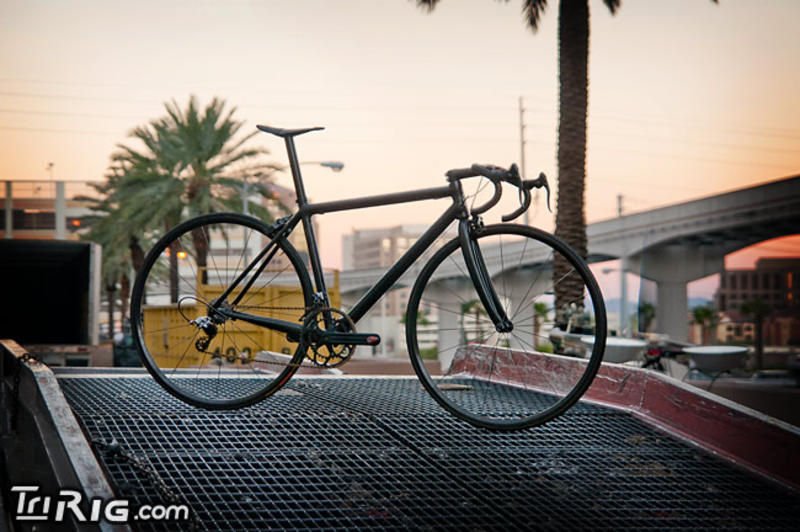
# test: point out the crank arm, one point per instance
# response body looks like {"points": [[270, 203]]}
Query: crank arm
{"points": [[338, 338]]}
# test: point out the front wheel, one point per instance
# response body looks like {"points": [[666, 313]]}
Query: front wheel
{"points": [[194, 352], [516, 379]]}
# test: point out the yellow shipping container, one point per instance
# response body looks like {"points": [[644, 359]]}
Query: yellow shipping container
{"points": [[170, 340]]}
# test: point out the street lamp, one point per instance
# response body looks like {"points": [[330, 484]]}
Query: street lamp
{"points": [[336, 166]]}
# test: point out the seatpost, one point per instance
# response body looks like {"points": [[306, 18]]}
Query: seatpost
{"points": [[294, 165]]}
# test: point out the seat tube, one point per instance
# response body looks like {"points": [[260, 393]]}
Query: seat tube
{"points": [[480, 278], [308, 226]]}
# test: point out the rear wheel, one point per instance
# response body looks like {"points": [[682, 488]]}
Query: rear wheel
{"points": [[193, 352], [507, 380]]}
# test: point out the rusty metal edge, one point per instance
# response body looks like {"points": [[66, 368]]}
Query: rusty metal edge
{"points": [[90, 475]]}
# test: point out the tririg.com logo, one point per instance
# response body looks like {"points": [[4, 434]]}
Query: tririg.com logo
{"points": [[68, 504]]}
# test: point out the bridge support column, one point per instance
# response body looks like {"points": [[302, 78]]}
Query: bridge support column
{"points": [[450, 294], [523, 295], [672, 267], [672, 311]]}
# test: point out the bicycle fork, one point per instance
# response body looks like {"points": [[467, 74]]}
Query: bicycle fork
{"points": [[476, 267]]}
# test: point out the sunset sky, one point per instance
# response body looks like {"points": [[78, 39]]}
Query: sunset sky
{"points": [[687, 98]]}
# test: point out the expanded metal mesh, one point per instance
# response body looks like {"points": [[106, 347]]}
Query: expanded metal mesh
{"points": [[381, 454]]}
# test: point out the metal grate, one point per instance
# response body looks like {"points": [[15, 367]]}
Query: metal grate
{"points": [[381, 454]]}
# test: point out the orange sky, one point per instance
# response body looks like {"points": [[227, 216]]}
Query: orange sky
{"points": [[687, 98], [778, 247]]}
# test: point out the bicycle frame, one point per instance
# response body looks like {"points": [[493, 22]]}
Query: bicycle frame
{"points": [[306, 210]]}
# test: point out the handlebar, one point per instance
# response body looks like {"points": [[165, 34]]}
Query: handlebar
{"points": [[498, 175]]}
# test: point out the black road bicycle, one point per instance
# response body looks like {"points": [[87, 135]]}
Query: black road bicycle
{"points": [[227, 308]]}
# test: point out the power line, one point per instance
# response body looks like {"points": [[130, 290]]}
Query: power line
{"points": [[795, 150], [47, 130], [679, 157], [64, 113]]}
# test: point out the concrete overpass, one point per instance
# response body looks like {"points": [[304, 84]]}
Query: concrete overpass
{"points": [[671, 245]]}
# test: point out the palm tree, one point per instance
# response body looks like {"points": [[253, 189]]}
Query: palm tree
{"points": [[758, 310], [472, 306], [191, 163], [647, 313], [120, 242], [706, 317], [114, 264], [573, 61], [540, 311], [573, 80]]}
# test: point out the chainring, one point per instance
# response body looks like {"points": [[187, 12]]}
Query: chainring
{"points": [[323, 354]]}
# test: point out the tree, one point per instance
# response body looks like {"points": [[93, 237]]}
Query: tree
{"points": [[190, 162], [706, 317], [573, 61], [573, 79], [540, 311], [475, 307], [647, 313], [120, 242], [758, 310]]}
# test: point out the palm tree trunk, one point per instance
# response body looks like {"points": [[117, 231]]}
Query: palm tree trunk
{"points": [[137, 259], [573, 60], [110, 289], [173, 271], [137, 254], [201, 248], [124, 295]]}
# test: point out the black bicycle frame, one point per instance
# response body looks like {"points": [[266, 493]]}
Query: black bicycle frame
{"points": [[456, 211]]}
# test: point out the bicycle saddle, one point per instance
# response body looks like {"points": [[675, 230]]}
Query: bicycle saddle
{"points": [[287, 132]]}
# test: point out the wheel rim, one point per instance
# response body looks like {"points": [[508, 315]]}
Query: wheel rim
{"points": [[506, 380], [193, 352]]}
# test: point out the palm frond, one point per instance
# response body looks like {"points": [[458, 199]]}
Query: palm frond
{"points": [[532, 11], [428, 5], [614, 5]]}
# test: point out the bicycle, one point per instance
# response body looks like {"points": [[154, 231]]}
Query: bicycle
{"points": [[226, 309]]}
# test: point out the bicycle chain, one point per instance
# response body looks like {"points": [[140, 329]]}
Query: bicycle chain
{"points": [[114, 450], [308, 311], [304, 309]]}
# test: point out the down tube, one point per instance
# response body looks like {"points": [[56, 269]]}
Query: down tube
{"points": [[397, 270]]}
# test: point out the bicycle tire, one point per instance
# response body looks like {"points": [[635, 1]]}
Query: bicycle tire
{"points": [[486, 383], [172, 354]]}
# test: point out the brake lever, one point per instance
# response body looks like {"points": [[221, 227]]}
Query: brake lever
{"points": [[540, 182]]}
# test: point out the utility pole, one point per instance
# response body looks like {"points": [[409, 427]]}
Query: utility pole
{"points": [[526, 218], [245, 197], [623, 285]]}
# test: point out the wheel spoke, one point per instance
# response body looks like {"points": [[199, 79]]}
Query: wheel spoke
{"points": [[173, 351], [500, 379]]}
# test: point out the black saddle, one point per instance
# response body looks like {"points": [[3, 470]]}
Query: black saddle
{"points": [[287, 132]]}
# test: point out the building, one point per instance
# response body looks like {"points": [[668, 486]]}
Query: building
{"points": [[379, 249], [39, 210], [774, 281], [52, 210]]}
